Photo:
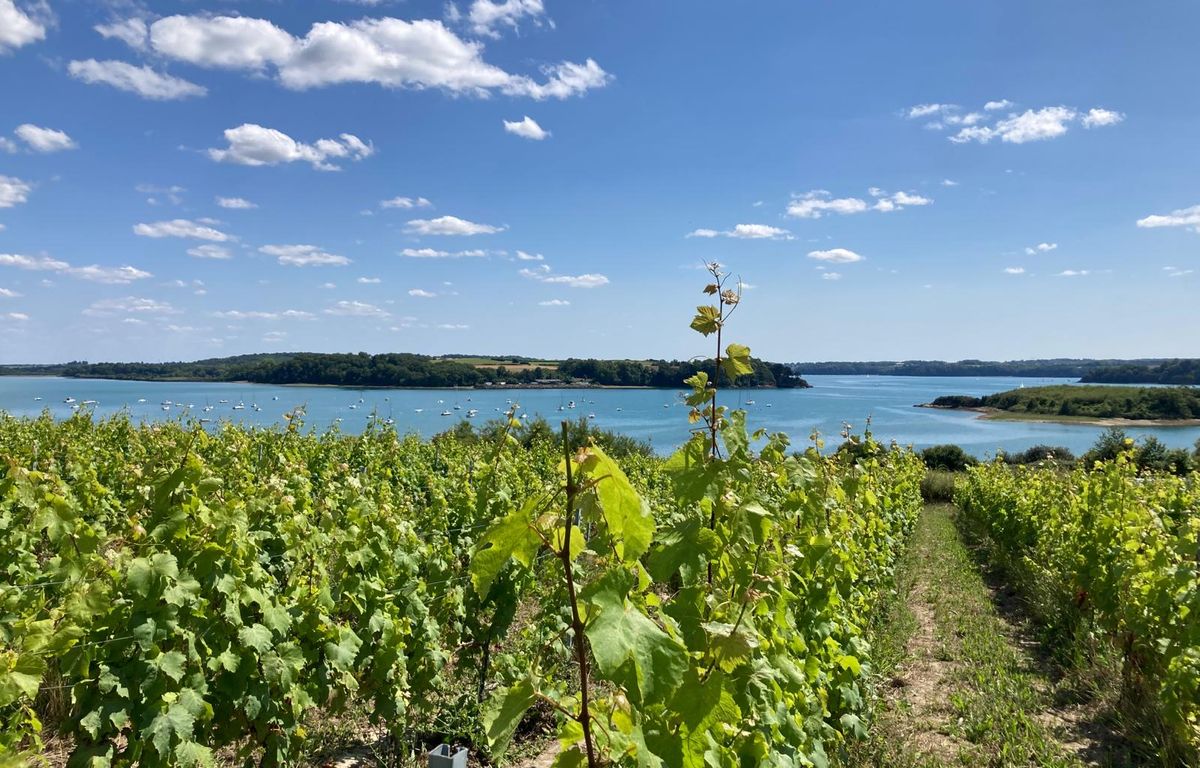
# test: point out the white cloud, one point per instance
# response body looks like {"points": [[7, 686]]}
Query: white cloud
{"points": [[543, 274], [7, 293], [992, 106], [13, 191], [1014, 270], [44, 140], [1074, 273], [274, 337], [405, 202], [369, 280], [93, 273], [526, 129], [554, 303], [20, 317], [172, 193], [133, 32], [235, 314], [304, 256], [356, 309], [745, 232], [523, 256], [33, 263], [831, 275], [1040, 248], [1176, 272], [836, 256], [817, 203], [1098, 118], [1183, 217], [421, 293], [390, 52], [210, 252], [484, 16], [449, 225], [181, 228], [453, 327], [8, 145], [129, 305], [251, 144], [433, 253], [17, 27], [949, 183], [236, 203], [143, 81], [1032, 125], [927, 110], [887, 202]]}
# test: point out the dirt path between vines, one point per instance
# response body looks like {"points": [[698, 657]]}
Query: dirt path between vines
{"points": [[959, 683]]}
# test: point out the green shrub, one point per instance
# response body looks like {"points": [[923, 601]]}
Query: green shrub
{"points": [[949, 457]]}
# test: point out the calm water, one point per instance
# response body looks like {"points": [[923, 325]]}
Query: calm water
{"points": [[654, 415]]}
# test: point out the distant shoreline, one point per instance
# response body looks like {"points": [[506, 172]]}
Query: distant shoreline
{"points": [[998, 414]]}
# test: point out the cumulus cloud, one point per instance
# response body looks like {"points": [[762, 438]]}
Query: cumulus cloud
{"points": [[543, 274], [1020, 128], [18, 27], [13, 191], [369, 281], [819, 202], [1014, 270], [554, 303], [181, 228], [129, 305], [235, 314], [526, 129], [20, 317], [1040, 248], [236, 203], [745, 232], [421, 293], [449, 225], [484, 17], [143, 81], [433, 253], [92, 273], [356, 309], [304, 256], [1183, 217], [133, 32], [928, 110], [523, 256], [1098, 118], [405, 202], [831, 275], [8, 293], [251, 144], [1074, 273], [44, 140], [390, 52], [836, 256], [210, 252]]}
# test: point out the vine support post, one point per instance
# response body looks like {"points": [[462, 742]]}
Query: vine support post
{"points": [[585, 720]]}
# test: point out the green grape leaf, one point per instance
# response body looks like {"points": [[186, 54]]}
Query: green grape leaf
{"points": [[736, 362], [171, 664], [175, 722], [691, 473], [707, 319], [257, 637], [23, 679], [342, 653], [625, 513], [630, 649], [503, 712], [510, 537]]}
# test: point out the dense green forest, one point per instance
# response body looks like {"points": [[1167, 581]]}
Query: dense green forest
{"points": [[409, 370], [1169, 372], [1058, 367], [1104, 402]]}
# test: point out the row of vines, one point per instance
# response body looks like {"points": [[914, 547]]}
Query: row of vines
{"points": [[1110, 559], [189, 594]]}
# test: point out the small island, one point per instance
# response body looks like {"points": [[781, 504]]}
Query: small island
{"points": [[402, 370], [1098, 405]]}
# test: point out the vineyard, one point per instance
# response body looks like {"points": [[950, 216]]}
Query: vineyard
{"points": [[1110, 564], [175, 594]]}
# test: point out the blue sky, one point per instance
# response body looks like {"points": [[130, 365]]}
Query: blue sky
{"points": [[931, 180]]}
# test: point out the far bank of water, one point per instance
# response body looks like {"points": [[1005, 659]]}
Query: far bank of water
{"points": [[649, 414]]}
